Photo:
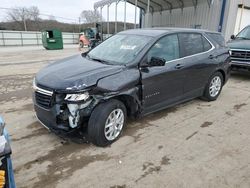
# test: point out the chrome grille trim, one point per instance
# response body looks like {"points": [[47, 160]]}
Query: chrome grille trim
{"points": [[42, 91], [240, 55]]}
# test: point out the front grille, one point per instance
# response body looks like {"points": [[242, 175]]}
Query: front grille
{"points": [[43, 100], [240, 55]]}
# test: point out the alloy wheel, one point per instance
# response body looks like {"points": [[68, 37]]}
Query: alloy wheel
{"points": [[114, 124], [215, 86]]}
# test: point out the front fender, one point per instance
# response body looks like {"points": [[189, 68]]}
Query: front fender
{"points": [[119, 82], [124, 86]]}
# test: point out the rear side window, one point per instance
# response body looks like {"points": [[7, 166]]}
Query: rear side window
{"points": [[217, 38], [191, 43]]}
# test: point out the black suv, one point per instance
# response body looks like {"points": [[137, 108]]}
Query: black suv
{"points": [[133, 73]]}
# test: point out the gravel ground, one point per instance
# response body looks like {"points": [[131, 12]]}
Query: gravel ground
{"points": [[196, 144]]}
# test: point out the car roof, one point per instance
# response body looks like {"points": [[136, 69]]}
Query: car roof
{"points": [[158, 31]]}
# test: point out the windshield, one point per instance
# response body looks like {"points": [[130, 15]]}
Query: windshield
{"points": [[119, 49], [244, 34]]}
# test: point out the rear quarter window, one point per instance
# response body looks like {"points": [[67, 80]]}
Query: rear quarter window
{"points": [[206, 45], [218, 38]]}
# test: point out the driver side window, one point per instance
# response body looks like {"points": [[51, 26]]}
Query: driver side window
{"points": [[166, 48]]}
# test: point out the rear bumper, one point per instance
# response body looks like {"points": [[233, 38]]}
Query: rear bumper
{"points": [[227, 76], [227, 70]]}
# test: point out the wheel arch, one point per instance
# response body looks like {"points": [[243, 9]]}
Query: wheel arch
{"points": [[130, 103], [223, 74]]}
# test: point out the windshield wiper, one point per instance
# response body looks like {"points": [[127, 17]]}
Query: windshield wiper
{"points": [[100, 60], [244, 38], [96, 59]]}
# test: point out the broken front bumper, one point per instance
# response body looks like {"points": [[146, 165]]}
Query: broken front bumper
{"points": [[60, 116], [47, 118]]}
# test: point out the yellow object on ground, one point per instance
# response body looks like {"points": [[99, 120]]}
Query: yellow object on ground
{"points": [[2, 178]]}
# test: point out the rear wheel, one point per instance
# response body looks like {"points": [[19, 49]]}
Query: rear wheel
{"points": [[106, 122], [213, 87]]}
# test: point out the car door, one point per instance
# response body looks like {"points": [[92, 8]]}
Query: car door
{"points": [[198, 62], [162, 85]]}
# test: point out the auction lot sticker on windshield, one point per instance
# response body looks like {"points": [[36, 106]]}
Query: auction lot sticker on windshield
{"points": [[127, 47]]}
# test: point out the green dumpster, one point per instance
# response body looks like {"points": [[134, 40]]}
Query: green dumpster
{"points": [[52, 39]]}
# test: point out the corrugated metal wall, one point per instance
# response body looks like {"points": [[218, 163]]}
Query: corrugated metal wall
{"points": [[201, 17]]}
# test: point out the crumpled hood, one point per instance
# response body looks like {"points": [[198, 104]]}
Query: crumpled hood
{"points": [[239, 44], [74, 73]]}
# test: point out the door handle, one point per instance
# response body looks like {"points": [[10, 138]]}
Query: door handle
{"points": [[179, 66]]}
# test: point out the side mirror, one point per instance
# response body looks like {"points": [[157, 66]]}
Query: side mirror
{"points": [[156, 61], [233, 37]]}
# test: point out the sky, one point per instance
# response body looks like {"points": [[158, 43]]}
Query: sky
{"points": [[69, 9]]}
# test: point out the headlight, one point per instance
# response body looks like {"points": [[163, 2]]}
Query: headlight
{"points": [[77, 97]]}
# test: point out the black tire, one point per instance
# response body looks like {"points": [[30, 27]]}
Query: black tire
{"points": [[98, 119], [207, 96]]}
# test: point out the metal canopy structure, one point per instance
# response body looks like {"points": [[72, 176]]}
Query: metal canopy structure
{"points": [[148, 6], [155, 5]]}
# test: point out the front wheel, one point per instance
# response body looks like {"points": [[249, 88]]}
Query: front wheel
{"points": [[81, 45], [107, 122], [213, 87]]}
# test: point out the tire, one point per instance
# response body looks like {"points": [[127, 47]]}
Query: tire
{"points": [[100, 122], [81, 44], [211, 94]]}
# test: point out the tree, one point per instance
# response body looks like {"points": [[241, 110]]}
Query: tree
{"points": [[33, 13], [22, 14], [90, 16]]}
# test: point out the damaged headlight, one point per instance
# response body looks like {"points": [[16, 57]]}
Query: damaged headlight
{"points": [[77, 97]]}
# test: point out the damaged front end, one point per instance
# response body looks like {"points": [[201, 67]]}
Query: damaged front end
{"points": [[69, 109], [78, 106], [62, 111]]}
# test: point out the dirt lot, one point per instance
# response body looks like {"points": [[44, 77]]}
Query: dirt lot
{"points": [[196, 144]]}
